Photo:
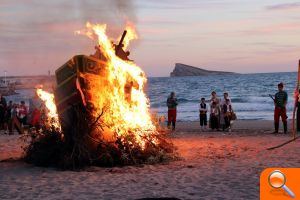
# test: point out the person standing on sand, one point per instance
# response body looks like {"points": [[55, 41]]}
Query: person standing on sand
{"points": [[203, 114], [214, 116], [2, 112], [215, 99], [222, 113], [35, 111], [227, 112], [280, 102], [172, 110], [22, 114], [8, 118]]}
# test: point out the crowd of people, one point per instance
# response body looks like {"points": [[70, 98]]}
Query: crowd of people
{"points": [[221, 113], [14, 114]]}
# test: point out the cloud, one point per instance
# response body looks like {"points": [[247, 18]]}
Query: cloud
{"points": [[40, 34], [181, 5], [284, 6], [278, 28]]}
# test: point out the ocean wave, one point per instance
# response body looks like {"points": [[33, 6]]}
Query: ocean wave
{"points": [[196, 101], [183, 100], [249, 93], [251, 107], [239, 100]]}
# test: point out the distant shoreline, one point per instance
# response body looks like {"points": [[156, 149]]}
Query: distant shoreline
{"points": [[237, 74], [28, 76], [46, 76]]}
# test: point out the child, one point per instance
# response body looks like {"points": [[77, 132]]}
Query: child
{"points": [[203, 116], [214, 116], [227, 110]]}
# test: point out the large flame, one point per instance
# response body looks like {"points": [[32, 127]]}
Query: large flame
{"points": [[119, 90], [51, 110]]}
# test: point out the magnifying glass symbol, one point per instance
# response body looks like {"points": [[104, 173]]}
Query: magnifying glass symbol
{"points": [[277, 180]]}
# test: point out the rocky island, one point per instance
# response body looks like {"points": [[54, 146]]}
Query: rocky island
{"points": [[187, 70]]}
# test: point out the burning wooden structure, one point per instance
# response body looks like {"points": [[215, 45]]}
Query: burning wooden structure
{"points": [[74, 88], [71, 85], [102, 110]]}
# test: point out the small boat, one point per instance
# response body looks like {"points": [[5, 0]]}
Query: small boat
{"points": [[7, 88]]}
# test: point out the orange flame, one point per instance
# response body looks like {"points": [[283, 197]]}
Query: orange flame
{"points": [[131, 35], [120, 89], [51, 110]]}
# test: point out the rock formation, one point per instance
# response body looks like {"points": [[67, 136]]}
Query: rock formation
{"points": [[186, 70]]}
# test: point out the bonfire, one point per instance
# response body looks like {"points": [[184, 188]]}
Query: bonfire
{"points": [[99, 113]]}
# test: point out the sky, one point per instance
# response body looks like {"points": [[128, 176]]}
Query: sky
{"points": [[245, 36]]}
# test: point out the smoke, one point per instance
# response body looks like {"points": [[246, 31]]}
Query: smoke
{"points": [[113, 12], [126, 9], [43, 33]]}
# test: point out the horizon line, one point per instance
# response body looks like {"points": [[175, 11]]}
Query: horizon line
{"points": [[237, 73]]}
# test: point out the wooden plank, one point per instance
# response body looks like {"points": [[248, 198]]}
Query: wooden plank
{"points": [[66, 103], [71, 83], [66, 70], [65, 89]]}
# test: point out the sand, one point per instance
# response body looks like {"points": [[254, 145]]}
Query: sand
{"points": [[214, 165]]}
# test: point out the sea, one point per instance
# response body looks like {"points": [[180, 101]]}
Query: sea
{"points": [[249, 93]]}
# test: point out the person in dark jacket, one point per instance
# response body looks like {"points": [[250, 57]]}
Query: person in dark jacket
{"points": [[22, 114], [8, 117], [214, 116], [3, 106], [227, 111], [203, 114], [280, 102], [172, 110]]}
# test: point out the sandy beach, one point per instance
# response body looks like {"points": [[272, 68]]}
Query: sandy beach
{"points": [[213, 165], [90, 82]]}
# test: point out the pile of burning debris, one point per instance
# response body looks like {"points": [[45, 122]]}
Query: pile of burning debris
{"points": [[99, 113]]}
